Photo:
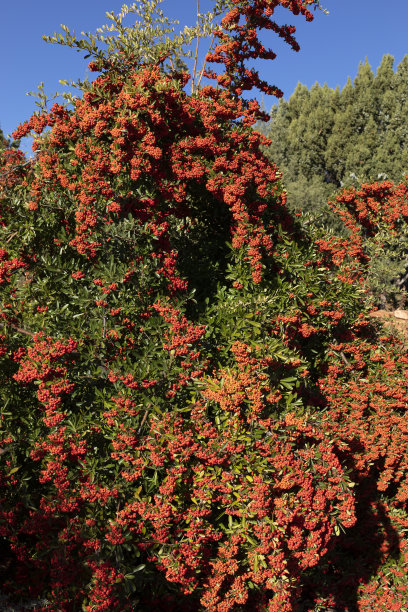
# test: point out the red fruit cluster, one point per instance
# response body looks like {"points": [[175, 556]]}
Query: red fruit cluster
{"points": [[239, 42], [175, 151], [365, 212]]}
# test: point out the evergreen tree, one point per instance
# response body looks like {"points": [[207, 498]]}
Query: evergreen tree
{"points": [[391, 157], [318, 126], [359, 163], [384, 97], [342, 135], [324, 139], [299, 130], [357, 116]]}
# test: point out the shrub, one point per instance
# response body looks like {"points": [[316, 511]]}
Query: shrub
{"points": [[375, 217], [184, 424]]}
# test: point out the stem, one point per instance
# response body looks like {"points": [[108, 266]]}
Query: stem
{"points": [[342, 355], [20, 330], [14, 169], [144, 419], [13, 235], [403, 279], [196, 51], [205, 61]]}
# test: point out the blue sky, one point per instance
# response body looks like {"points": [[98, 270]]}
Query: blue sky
{"points": [[331, 46]]}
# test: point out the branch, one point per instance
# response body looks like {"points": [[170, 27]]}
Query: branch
{"points": [[20, 329], [342, 355], [205, 61], [14, 169], [5, 449], [196, 51], [403, 279], [144, 419]]}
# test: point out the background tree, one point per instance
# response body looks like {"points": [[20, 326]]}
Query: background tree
{"points": [[324, 139]]}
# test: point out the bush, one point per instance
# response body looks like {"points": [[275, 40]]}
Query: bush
{"points": [[375, 217], [196, 411]]}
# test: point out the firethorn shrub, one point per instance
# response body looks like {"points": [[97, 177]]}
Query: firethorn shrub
{"points": [[196, 411], [375, 218]]}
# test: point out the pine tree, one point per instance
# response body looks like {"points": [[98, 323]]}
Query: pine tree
{"points": [[396, 140], [384, 98], [318, 125], [341, 136], [324, 139]]}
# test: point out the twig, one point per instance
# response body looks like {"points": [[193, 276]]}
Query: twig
{"points": [[13, 235], [403, 279], [205, 60], [342, 355], [196, 51], [21, 330], [144, 419], [14, 169]]}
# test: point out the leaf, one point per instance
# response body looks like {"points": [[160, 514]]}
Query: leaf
{"points": [[337, 530], [13, 471]]}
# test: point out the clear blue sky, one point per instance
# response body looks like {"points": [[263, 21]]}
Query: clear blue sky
{"points": [[331, 46]]}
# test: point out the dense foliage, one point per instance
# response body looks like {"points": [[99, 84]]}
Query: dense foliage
{"points": [[375, 219], [196, 411], [324, 138], [12, 162]]}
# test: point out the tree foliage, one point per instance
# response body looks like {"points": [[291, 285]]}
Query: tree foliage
{"points": [[332, 138], [326, 140]]}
